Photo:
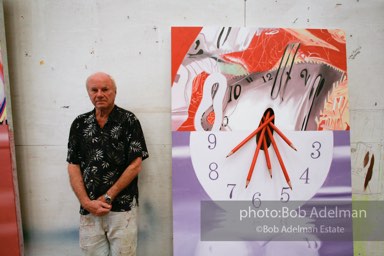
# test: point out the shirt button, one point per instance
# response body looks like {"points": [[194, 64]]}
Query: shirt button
{"points": [[91, 180]]}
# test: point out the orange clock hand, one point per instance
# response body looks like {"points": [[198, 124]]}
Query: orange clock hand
{"points": [[250, 136], [279, 157], [267, 159], [282, 136], [261, 139]]}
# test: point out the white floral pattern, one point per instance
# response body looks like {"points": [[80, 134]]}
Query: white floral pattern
{"points": [[104, 153]]}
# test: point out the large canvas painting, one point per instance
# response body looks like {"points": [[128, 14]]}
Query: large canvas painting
{"points": [[259, 116], [10, 235]]}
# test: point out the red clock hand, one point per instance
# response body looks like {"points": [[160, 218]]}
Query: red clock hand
{"points": [[282, 136], [261, 139], [279, 157], [250, 136], [267, 158]]}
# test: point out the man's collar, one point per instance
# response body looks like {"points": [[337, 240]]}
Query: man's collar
{"points": [[113, 116]]}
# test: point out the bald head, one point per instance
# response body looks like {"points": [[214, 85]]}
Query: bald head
{"points": [[101, 76], [101, 89]]}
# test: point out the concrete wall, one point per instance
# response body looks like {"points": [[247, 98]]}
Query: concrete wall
{"points": [[53, 45]]}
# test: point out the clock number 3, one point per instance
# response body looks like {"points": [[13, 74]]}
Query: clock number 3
{"points": [[316, 146]]}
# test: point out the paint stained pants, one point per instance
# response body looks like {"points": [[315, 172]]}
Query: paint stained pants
{"points": [[110, 235]]}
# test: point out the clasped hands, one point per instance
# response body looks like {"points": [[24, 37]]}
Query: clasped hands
{"points": [[98, 207]]}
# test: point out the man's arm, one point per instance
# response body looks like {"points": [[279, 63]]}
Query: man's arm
{"points": [[125, 179], [95, 207]]}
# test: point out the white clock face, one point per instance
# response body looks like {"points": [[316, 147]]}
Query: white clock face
{"points": [[224, 178], [238, 104]]}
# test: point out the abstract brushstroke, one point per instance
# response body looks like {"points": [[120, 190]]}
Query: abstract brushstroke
{"points": [[335, 114], [9, 220], [3, 112], [368, 176], [366, 159], [248, 56]]}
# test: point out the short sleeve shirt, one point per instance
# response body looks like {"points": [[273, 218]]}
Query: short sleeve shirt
{"points": [[103, 154]]}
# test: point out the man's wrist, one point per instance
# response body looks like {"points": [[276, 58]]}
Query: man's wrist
{"points": [[85, 203], [108, 198]]}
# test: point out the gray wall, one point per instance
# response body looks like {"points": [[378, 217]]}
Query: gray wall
{"points": [[53, 45]]}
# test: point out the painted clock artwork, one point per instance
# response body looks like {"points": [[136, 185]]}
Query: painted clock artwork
{"points": [[258, 114]]}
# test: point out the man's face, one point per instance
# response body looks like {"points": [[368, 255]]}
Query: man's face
{"points": [[101, 91]]}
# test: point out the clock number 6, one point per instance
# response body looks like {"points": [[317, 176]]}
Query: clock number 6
{"points": [[213, 174], [256, 201]]}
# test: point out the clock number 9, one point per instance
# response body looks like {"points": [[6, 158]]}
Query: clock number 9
{"points": [[213, 174], [256, 201], [316, 145], [212, 141]]}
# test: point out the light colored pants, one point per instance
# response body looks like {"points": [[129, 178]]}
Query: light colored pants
{"points": [[109, 235]]}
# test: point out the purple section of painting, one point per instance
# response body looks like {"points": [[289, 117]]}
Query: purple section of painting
{"points": [[187, 195], [339, 176], [340, 172]]}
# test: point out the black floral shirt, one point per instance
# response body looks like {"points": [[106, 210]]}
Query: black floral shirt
{"points": [[104, 153]]}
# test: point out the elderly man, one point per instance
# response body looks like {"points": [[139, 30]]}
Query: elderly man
{"points": [[106, 148]]}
